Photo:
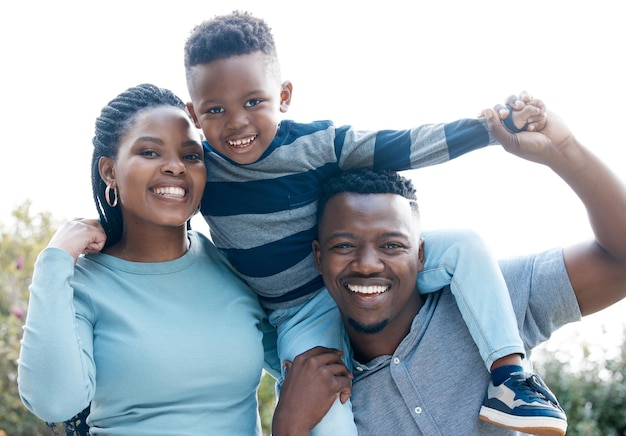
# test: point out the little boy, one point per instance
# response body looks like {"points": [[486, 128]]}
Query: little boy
{"points": [[260, 203]]}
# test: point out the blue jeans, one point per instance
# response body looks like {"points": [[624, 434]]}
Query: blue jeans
{"points": [[452, 257], [300, 328], [461, 259]]}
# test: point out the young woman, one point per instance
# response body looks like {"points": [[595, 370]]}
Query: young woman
{"points": [[134, 314]]}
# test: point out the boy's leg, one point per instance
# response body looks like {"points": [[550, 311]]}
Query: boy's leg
{"points": [[316, 322], [461, 259], [514, 399]]}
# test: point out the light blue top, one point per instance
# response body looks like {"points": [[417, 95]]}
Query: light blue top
{"points": [[158, 348]]}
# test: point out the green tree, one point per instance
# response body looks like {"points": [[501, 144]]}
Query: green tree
{"points": [[266, 394], [591, 390], [19, 246]]}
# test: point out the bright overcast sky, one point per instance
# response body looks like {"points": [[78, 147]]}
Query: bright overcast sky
{"points": [[390, 64]]}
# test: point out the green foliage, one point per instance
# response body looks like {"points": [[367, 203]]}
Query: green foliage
{"points": [[19, 246], [591, 390], [267, 401]]}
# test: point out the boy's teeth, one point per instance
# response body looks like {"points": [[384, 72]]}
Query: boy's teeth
{"points": [[241, 142], [367, 289]]}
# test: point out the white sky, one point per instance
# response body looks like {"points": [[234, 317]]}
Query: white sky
{"points": [[390, 64]]}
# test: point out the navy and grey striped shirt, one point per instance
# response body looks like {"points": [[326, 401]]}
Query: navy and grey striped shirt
{"points": [[262, 215]]}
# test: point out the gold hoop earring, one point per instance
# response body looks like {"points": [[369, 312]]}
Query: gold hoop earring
{"points": [[107, 196]]}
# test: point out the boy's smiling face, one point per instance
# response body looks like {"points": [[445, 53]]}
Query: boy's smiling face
{"points": [[237, 102]]}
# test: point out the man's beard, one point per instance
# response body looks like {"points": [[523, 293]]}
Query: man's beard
{"points": [[368, 329]]}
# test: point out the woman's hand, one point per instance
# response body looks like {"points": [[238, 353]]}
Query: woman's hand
{"points": [[79, 236]]}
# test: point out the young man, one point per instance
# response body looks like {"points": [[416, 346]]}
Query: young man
{"points": [[405, 381]]}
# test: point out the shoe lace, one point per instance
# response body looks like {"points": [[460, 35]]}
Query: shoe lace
{"points": [[538, 385], [531, 385]]}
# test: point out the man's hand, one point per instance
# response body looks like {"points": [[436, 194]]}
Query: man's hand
{"points": [[553, 145], [313, 382], [528, 113]]}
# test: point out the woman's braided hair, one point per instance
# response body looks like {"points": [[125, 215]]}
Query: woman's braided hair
{"points": [[115, 119]]}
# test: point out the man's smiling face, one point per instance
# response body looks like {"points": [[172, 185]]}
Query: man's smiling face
{"points": [[369, 252]]}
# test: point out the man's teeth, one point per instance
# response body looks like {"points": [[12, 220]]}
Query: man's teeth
{"points": [[171, 191], [242, 142], [367, 289]]}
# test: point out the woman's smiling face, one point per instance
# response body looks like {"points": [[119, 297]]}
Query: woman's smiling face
{"points": [[159, 170]]}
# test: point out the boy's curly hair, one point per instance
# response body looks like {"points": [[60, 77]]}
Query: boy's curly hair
{"points": [[224, 36]]}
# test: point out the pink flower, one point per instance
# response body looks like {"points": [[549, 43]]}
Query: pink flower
{"points": [[17, 311]]}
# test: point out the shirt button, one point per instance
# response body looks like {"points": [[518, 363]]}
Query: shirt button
{"points": [[358, 368], [418, 410], [396, 360]]}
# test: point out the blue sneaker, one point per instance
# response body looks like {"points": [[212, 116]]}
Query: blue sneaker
{"points": [[524, 403]]}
